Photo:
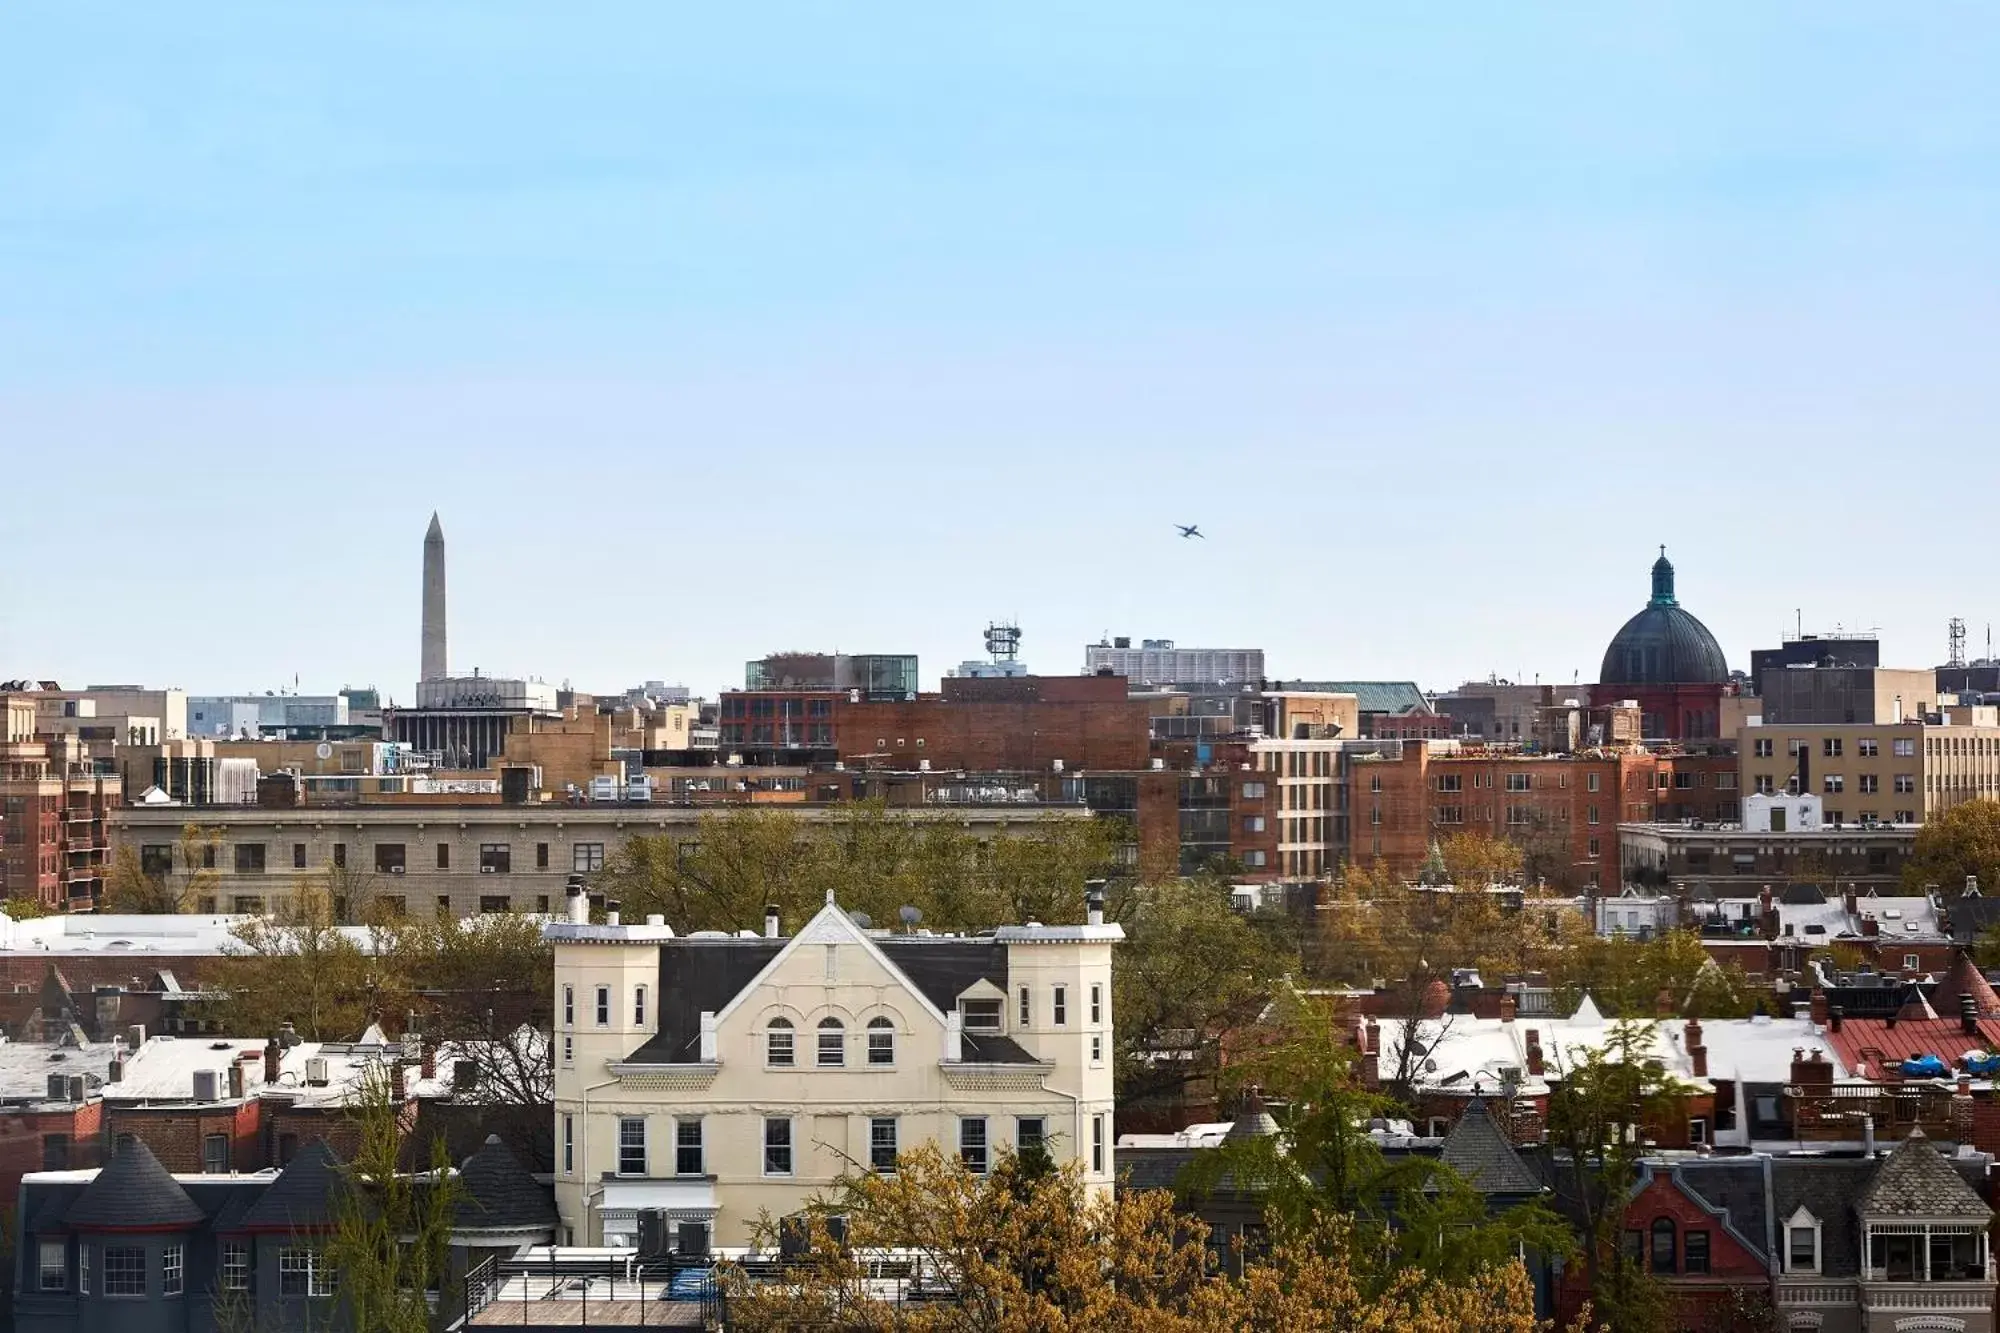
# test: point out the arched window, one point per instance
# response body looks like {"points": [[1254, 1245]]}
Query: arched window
{"points": [[832, 1043], [1663, 1245], [778, 1042], [881, 1042]]}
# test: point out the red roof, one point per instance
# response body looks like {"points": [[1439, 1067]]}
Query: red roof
{"points": [[1870, 1041], [1965, 979]]}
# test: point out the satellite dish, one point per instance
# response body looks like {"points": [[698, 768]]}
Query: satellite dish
{"points": [[323, 750], [910, 915], [861, 919]]}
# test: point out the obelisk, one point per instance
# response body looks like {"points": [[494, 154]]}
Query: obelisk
{"points": [[433, 652]]}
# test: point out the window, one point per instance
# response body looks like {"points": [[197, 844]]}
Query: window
{"points": [[979, 1015], [1663, 1245], [1447, 814], [54, 1265], [568, 1049], [586, 857], [777, 1146], [444, 856], [1096, 1049], [882, 1144], [1097, 1145], [1518, 782], [390, 858], [215, 1155], [569, 1006], [1868, 747], [832, 1043], [298, 856], [1096, 1002], [687, 1148], [249, 861], [638, 1006], [1593, 852], [541, 856], [304, 1272], [1906, 783], [631, 1145], [1059, 1007], [1697, 1131], [1910, 962], [1590, 781], [1868, 783], [972, 1143], [340, 855], [173, 1270], [1026, 1007], [1694, 1258], [1450, 782], [604, 1006], [247, 904], [82, 1268], [778, 1042], [881, 1041], [495, 858], [55, 1152], [1028, 1136], [1903, 749], [569, 1144], [495, 904], [1253, 791], [1834, 782], [1254, 858], [1591, 814], [1762, 747], [157, 858], [235, 1265], [124, 1270], [1802, 1248], [1765, 786], [1830, 747]]}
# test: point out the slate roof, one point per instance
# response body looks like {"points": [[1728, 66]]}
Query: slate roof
{"points": [[1152, 1168], [990, 1048], [133, 1190], [1395, 697], [1252, 1120], [1915, 1181], [496, 1193], [1735, 1186], [49, 1217], [302, 1196], [1476, 1150], [941, 969], [1826, 1188], [1802, 895], [1971, 917]]}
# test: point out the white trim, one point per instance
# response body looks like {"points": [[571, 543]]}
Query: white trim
{"points": [[830, 926], [1799, 1219]]}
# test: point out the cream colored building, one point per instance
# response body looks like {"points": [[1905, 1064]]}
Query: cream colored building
{"points": [[704, 1081], [1893, 773], [444, 857]]}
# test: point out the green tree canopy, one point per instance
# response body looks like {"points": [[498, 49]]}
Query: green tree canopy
{"points": [[1963, 841]]}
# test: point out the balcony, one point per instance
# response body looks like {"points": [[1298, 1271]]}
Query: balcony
{"points": [[1841, 1112]]}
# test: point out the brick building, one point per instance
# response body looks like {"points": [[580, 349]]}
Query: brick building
{"points": [[52, 808]]}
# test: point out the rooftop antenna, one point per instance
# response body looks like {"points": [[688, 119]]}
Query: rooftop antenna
{"points": [[1956, 631], [1798, 622]]}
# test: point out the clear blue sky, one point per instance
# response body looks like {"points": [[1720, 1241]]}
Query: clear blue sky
{"points": [[712, 330]]}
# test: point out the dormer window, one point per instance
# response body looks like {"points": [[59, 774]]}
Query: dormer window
{"points": [[1802, 1243], [979, 1015]]}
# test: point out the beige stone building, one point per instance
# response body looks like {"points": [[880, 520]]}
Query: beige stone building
{"points": [[444, 857], [704, 1081], [1895, 773]]}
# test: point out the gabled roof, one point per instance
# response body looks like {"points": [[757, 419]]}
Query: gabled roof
{"points": [[302, 1198], [1824, 1187], [1915, 1181], [133, 1193], [1916, 1009], [1476, 1150], [1965, 979], [1733, 1189], [1803, 895], [496, 1193]]}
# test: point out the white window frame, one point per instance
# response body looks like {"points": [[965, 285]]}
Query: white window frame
{"points": [[173, 1270], [1059, 1006], [1096, 1002], [1799, 1221], [985, 1145], [569, 1006], [1027, 1009], [144, 1285], [882, 1027], [895, 1142], [638, 1006], [830, 1026], [235, 1265], [569, 1145], [1097, 1048], [603, 1007], [59, 1270], [790, 1147], [643, 1146], [321, 1280], [1097, 1145], [781, 1027]]}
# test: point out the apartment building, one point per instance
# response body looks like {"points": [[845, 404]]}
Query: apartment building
{"points": [[1819, 692], [707, 1081], [1900, 773], [443, 859], [53, 802]]}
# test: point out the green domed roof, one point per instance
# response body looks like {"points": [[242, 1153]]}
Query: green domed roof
{"points": [[1663, 644]]}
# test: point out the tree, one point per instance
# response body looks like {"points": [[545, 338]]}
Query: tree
{"points": [[297, 966], [1192, 970], [391, 1232], [1626, 977], [1475, 860], [1601, 1102], [180, 884], [1012, 1252], [1963, 841]]}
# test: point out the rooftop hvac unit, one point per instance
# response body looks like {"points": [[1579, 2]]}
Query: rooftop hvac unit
{"points": [[58, 1087], [76, 1087], [207, 1085], [316, 1071]]}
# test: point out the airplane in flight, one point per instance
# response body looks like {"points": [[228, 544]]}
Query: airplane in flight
{"points": [[1191, 530]]}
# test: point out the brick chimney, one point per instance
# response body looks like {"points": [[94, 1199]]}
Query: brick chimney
{"points": [[1374, 1037], [1851, 902], [1870, 927], [399, 1087], [1534, 1052], [1818, 1010], [429, 1068], [1834, 1015], [274, 1056], [1813, 1071], [1663, 1004], [1509, 1007], [1696, 1052]]}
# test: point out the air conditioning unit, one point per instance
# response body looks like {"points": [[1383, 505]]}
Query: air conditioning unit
{"points": [[207, 1085], [316, 1071], [486, 870], [395, 870]]}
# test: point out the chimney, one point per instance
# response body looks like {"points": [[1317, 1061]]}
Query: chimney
{"points": [[1834, 1015], [1818, 1010], [1968, 1015], [610, 911], [1534, 1045], [288, 1036], [1509, 1007], [236, 1081], [1697, 1053], [399, 1086], [116, 1074], [1870, 927], [1093, 901], [273, 1057], [1852, 901], [135, 1036], [1374, 1038], [577, 901], [1663, 1004], [428, 1070]]}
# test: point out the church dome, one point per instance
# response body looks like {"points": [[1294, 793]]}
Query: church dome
{"points": [[1663, 644]]}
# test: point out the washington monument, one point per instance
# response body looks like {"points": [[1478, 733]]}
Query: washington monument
{"points": [[434, 654]]}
